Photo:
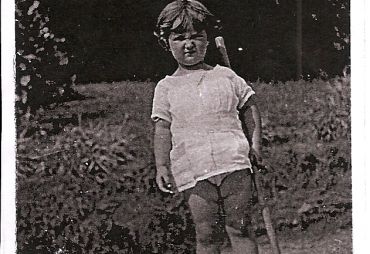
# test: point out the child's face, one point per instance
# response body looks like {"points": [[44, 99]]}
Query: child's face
{"points": [[188, 48]]}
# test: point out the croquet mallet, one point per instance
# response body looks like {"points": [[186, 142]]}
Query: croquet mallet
{"points": [[220, 44]]}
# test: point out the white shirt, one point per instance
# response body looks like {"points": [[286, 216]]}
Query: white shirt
{"points": [[207, 137]]}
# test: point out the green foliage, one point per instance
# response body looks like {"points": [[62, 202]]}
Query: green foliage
{"points": [[88, 187], [42, 73], [83, 192], [307, 145]]}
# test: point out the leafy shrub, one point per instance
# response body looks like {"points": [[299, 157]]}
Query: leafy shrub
{"points": [[42, 73], [306, 136], [83, 194]]}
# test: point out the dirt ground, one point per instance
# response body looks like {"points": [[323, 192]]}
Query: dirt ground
{"points": [[336, 241]]}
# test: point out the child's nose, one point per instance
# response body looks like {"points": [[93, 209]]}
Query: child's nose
{"points": [[189, 43]]}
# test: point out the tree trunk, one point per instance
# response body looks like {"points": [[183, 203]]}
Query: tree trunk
{"points": [[299, 39]]}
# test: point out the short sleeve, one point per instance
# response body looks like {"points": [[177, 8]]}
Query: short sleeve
{"points": [[243, 90], [161, 105]]}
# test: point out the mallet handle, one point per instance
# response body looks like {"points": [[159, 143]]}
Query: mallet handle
{"points": [[266, 214], [220, 44]]}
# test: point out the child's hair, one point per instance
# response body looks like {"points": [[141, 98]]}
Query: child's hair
{"points": [[182, 15]]}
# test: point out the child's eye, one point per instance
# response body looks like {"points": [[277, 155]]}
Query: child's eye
{"points": [[179, 38], [182, 37], [197, 36]]}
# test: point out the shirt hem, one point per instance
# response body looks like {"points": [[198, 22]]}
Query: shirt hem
{"points": [[209, 175], [155, 117]]}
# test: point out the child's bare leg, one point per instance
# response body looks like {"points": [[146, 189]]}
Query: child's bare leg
{"points": [[202, 202], [240, 243], [237, 192]]}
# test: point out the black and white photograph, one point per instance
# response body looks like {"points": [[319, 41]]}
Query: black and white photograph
{"points": [[183, 127]]}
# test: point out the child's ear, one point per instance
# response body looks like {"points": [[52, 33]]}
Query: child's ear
{"points": [[168, 48], [164, 44]]}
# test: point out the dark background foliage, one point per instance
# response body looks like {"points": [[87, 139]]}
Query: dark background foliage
{"points": [[113, 40], [60, 44]]}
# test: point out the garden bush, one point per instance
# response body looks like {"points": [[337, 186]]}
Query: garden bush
{"points": [[89, 187], [43, 76], [306, 136], [91, 190]]}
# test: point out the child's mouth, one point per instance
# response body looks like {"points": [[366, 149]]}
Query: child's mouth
{"points": [[189, 53]]}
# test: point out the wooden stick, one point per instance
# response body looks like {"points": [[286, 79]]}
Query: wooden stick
{"points": [[220, 44], [265, 211]]}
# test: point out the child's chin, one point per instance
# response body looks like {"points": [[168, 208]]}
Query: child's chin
{"points": [[192, 63]]}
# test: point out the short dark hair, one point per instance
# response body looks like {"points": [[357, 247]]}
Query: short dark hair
{"points": [[182, 15]]}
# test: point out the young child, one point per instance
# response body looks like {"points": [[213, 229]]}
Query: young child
{"points": [[199, 144]]}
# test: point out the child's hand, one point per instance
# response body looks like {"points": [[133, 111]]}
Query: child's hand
{"points": [[257, 161], [163, 179], [255, 156]]}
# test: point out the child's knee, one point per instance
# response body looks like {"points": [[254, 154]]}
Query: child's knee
{"points": [[240, 226], [207, 233], [241, 242]]}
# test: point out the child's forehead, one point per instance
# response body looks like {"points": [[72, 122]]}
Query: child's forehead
{"points": [[190, 31]]}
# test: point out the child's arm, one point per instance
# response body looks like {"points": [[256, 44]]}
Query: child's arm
{"points": [[251, 121], [162, 148]]}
